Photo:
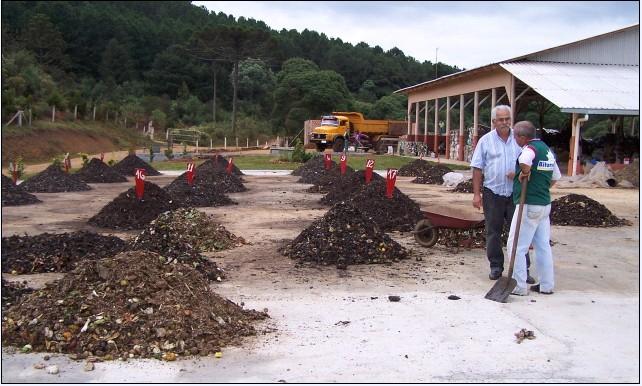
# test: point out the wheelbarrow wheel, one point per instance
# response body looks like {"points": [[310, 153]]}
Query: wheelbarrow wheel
{"points": [[425, 233]]}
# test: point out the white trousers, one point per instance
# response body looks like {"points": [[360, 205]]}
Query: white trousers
{"points": [[535, 229]]}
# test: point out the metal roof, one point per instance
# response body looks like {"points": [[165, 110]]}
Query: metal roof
{"points": [[583, 88]]}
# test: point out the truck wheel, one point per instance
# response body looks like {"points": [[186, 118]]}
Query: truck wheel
{"points": [[425, 234], [321, 147], [338, 145]]}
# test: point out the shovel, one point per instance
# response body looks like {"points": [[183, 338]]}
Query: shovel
{"points": [[505, 285]]}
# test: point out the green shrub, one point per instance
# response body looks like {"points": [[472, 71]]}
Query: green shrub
{"points": [[169, 153], [85, 158], [299, 154]]}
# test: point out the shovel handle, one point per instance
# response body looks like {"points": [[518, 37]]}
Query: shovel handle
{"points": [[522, 199]]}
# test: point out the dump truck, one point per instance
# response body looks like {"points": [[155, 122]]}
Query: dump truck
{"points": [[352, 127]]}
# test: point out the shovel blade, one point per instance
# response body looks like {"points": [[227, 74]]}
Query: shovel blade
{"points": [[502, 288]]}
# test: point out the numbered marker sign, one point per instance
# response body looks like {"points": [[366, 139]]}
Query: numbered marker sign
{"points": [[67, 163], [140, 183], [102, 156], [344, 163], [327, 161], [368, 171], [190, 173], [230, 165], [391, 178]]}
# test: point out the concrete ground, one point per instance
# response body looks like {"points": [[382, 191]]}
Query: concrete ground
{"points": [[330, 325]]}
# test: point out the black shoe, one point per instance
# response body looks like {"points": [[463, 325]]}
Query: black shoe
{"points": [[535, 288], [530, 279], [495, 274]]}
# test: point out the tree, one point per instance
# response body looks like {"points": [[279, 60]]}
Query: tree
{"points": [[390, 107], [116, 63], [256, 84], [45, 41], [232, 44]]}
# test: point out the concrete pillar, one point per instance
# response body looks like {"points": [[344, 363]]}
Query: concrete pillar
{"points": [[475, 118], [408, 118], [571, 153], [426, 123], [460, 151], [416, 118], [513, 99], [493, 98], [436, 141], [447, 127]]}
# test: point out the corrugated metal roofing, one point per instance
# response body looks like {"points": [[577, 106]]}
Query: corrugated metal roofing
{"points": [[583, 88]]}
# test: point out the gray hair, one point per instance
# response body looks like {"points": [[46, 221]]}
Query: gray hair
{"points": [[493, 113], [524, 129]]}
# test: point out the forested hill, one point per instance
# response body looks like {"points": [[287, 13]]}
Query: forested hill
{"points": [[165, 61]]}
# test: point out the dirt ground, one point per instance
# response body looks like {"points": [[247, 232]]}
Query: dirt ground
{"points": [[330, 325]]}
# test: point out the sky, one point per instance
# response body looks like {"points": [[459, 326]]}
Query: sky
{"points": [[463, 34]]}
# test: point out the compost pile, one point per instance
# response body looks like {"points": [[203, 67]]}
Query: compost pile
{"points": [[311, 171], [13, 195], [183, 234], [464, 187], [344, 236], [48, 252], [396, 213], [54, 180], [96, 171], [580, 210], [344, 187], [431, 174], [128, 165], [208, 189], [131, 305], [629, 173], [128, 212], [12, 292], [329, 179], [419, 167], [219, 163]]}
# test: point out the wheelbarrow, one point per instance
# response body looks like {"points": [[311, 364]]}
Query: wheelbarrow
{"points": [[426, 230]]}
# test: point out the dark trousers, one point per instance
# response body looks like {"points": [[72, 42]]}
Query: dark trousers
{"points": [[498, 212]]}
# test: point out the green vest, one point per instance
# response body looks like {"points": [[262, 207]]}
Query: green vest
{"points": [[539, 185]]}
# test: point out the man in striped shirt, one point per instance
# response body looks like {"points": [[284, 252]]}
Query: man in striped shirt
{"points": [[494, 161]]}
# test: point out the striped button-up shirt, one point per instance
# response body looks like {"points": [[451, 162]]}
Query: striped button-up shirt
{"points": [[496, 159]]}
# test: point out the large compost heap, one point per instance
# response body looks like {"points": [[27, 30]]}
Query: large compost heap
{"points": [[128, 165], [208, 188], [342, 188], [96, 171], [12, 292], [344, 236], [13, 195], [131, 305], [426, 172], [396, 213], [183, 234], [49, 252], [326, 181], [128, 212], [313, 170], [219, 162], [54, 180], [580, 210]]}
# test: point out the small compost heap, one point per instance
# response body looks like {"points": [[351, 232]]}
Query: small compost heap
{"points": [[326, 181], [432, 174], [13, 195], [12, 292], [208, 189], [49, 252], [342, 237], [344, 187], [396, 213], [464, 187], [220, 163], [96, 171], [183, 234], [128, 212], [128, 165], [580, 210], [313, 170], [134, 305], [54, 180]]}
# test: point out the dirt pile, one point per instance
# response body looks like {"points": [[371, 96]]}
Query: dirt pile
{"points": [[96, 171], [54, 180], [12, 293], [313, 170], [128, 212], [580, 210], [464, 187], [344, 236], [134, 305], [629, 173], [183, 234], [128, 165], [419, 167], [329, 179], [48, 252], [208, 189], [344, 187], [431, 174], [219, 163], [13, 195], [397, 213]]}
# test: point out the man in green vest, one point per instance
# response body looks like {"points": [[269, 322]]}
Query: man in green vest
{"points": [[537, 164]]}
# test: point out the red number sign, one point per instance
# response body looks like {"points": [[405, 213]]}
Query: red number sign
{"points": [[230, 165], [391, 178], [190, 173], [140, 183], [344, 163], [327, 161], [369, 168]]}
